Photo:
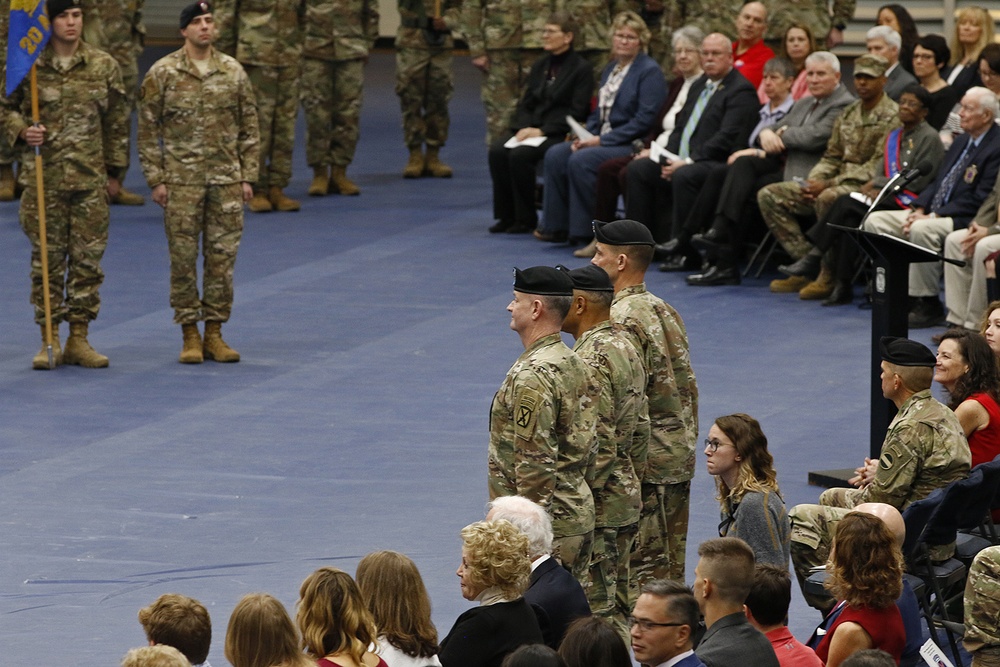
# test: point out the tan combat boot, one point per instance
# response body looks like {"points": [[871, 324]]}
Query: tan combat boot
{"points": [[41, 360], [415, 166], [339, 182], [280, 202], [78, 351], [321, 182], [820, 288], [127, 198], [7, 184], [215, 348], [434, 166], [259, 203], [191, 352]]}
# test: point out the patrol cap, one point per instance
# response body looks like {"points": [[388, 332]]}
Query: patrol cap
{"points": [[57, 7], [543, 280], [905, 352], [871, 65], [623, 232], [589, 278], [191, 11]]}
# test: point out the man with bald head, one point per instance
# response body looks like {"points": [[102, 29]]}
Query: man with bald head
{"points": [[749, 50]]}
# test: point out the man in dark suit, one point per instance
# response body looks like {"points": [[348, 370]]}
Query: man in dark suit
{"points": [[964, 180], [720, 112], [556, 596], [664, 622]]}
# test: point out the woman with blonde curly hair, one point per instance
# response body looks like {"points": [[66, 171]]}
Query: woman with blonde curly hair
{"points": [[752, 507], [394, 592], [337, 629], [974, 29], [494, 572], [866, 573], [261, 634]]}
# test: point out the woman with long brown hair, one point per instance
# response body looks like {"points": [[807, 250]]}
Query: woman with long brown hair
{"points": [[261, 634]]}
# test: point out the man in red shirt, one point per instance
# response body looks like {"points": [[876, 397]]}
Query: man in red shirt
{"points": [[766, 609], [749, 51]]}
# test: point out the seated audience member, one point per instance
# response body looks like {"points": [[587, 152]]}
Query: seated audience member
{"points": [[181, 622], [555, 594], [989, 71], [965, 287], [395, 594], [559, 85], [884, 41], [796, 46], [716, 120], [494, 572], [687, 67], [722, 581], [973, 30], [982, 611], [965, 179], [834, 257], [990, 326], [631, 92], [534, 655], [924, 449], [896, 17], [967, 369], [869, 657], [866, 572], [929, 57], [752, 507], [664, 621], [749, 50], [786, 151], [767, 608], [592, 641], [337, 629], [848, 163], [261, 634], [155, 656]]}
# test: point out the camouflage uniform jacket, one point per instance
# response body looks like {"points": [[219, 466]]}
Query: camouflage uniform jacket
{"points": [[504, 24], [542, 437], [83, 109], [924, 449], [594, 18], [853, 154], [817, 14], [261, 32], [414, 15], [340, 29], [658, 334], [115, 26], [622, 424], [196, 130], [982, 604]]}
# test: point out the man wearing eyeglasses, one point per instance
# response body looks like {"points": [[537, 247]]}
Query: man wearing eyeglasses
{"points": [[662, 625]]}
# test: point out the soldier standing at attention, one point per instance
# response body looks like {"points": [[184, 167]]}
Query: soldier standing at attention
{"points": [[542, 421], [624, 251], [339, 34], [266, 37], [83, 135], [198, 144], [423, 80]]}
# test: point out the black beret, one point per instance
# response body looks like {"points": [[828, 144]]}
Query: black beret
{"points": [[193, 10], [589, 278], [543, 280], [623, 232], [905, 352], [57, 7]]}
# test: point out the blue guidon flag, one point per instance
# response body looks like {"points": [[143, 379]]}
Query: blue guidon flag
{"points": [[29, 33]]}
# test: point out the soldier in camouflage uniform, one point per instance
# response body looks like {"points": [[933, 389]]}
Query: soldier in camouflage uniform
{"points": [[624, 251], [924, 449], [339, 34], [622, 441], [826, 23], [853, 156], [593, 38], [266, 37], [83, 135], [198, 144], [423, 80], [115, 26], [542, 421], [7, 186], [982, 609], [713, 15], [505, 39]]}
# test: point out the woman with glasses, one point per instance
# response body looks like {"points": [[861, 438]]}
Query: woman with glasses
{"points": [[930, 55], [752, 507]]}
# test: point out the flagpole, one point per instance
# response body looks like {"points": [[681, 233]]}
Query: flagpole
{"points": [[42, 235]]}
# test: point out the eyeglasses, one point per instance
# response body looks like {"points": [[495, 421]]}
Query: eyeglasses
{"points": [[551, 31], [713, 445], [622, 37], [646, 626], [923, 56], [987, 74]]}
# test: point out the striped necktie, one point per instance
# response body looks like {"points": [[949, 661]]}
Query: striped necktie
{"points": [[692, 123]]}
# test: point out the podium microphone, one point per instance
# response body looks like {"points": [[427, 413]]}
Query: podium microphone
{"points": [[925, 167]]}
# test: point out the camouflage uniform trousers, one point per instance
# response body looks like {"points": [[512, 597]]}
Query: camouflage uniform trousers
{"points": [[502, 87], [76, 230], [781, 205], [609, 593], [215, 214], [130, 77], [982, 609], [574, 552], [424, 86], [811, 538], [277, 93], [331, 99], [662, 540]]}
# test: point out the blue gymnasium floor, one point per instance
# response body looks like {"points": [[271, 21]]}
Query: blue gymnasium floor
{"points": [[373, 335]]}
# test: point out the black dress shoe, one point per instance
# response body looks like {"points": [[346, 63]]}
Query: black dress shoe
{"points": [[664, 250], [710, 240], [927, 312], [681, 263], [501, 226], [808, 266], [520, 228], [842, 294], [715, 276]]}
